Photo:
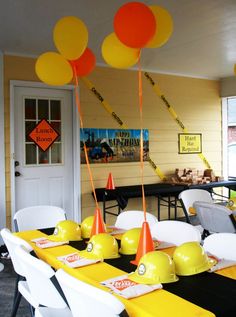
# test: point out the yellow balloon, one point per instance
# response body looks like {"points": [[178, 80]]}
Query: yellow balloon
{"points": [[164, 27], [118, 55], [53, 69], [70, 36]]}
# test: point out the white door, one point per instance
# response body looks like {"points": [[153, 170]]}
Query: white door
{"points": [[43, 177]]}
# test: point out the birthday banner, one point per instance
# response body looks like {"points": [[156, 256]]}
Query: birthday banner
{"points": [[113, 145]]}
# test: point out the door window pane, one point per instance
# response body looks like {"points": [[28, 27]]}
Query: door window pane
{"points": [[30, 108], [31, 157], [43, 110], [29, 125], [43, 157], [57, 126], [56, 153], [55, 109]]}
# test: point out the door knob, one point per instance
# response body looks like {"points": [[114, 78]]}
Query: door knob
{"points": [[17, 163], [17, 174]]}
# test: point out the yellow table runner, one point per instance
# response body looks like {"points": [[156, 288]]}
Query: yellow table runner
{"points": [[156, 304]]}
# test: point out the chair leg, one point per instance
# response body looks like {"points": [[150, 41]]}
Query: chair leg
{"points": [[16, 304], [31, 310], [16, 288], [17, 297], [205, 234]]}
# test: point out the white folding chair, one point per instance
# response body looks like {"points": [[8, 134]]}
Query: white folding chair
{"points": [[49, 312], [222, 245], [43, 284], [1, 267], [176, 232], [133, 219], [21, 287], [86, 300], [189, 196], [38, 217], [215, 218]]}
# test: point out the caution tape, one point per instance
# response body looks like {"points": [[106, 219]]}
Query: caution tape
{"points": [[173, 113], [109, 109], [105, 104]]}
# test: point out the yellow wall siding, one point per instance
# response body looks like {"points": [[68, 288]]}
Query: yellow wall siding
{"points": [[196, 102]]}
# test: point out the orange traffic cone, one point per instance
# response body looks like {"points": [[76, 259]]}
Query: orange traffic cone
{"points": [[145, 243], [110, 182], [98, 224]]}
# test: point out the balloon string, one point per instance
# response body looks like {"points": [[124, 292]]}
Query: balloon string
{"points": [[140, 90], [84, 144]]}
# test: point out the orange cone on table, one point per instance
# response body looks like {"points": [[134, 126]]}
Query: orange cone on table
{"points": [[110, 182], [98, 224], [145, 243]]}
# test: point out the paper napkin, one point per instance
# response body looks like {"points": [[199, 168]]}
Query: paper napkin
{"points": [[221, 263], [75, 260], [163, 245], [126, 288], [114, 230], [44, 243]]}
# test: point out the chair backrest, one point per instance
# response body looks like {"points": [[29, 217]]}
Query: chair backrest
{"points": [[40, 278], [38, 217], [1, 267], [86, 300], [133, 219], [189, 196], [174, 231], [214, 218], [11, 241], [222, 245]]}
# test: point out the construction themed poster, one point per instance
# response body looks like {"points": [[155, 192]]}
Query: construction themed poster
{"points": [[113, 145]]}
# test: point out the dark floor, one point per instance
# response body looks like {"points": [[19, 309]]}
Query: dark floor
{"points": [[7, 287]]}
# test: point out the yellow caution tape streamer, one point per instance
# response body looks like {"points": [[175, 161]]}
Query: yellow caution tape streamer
{"points": [[172, 112], [108, 108], [105, 104]]}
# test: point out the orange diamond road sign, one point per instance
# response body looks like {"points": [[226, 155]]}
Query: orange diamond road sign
{"points": [[43, 135]]}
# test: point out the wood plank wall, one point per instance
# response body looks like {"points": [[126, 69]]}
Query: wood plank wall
{"points": [[196, 102]]}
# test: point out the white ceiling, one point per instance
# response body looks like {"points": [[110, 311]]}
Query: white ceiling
{"points": [[203, 43]]}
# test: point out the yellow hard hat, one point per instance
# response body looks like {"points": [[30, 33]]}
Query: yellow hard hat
{"points": [[154, 267], [101, 246], [129, 241], [66, 230], [232, 203], [86, 227], [190, 258]]}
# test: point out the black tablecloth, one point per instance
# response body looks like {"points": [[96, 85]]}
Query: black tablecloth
{"points": [[136, 191], [123, 193], [211, 291]]}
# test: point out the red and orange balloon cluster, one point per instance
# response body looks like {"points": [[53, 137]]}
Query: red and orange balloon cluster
{"points": [[70, 37], [136, 26]]}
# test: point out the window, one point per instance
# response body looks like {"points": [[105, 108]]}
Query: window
{"points": [[229, 136], [36, 109]]}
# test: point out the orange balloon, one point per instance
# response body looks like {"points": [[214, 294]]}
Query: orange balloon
{"points": [[84, 64], [134, 24]]}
